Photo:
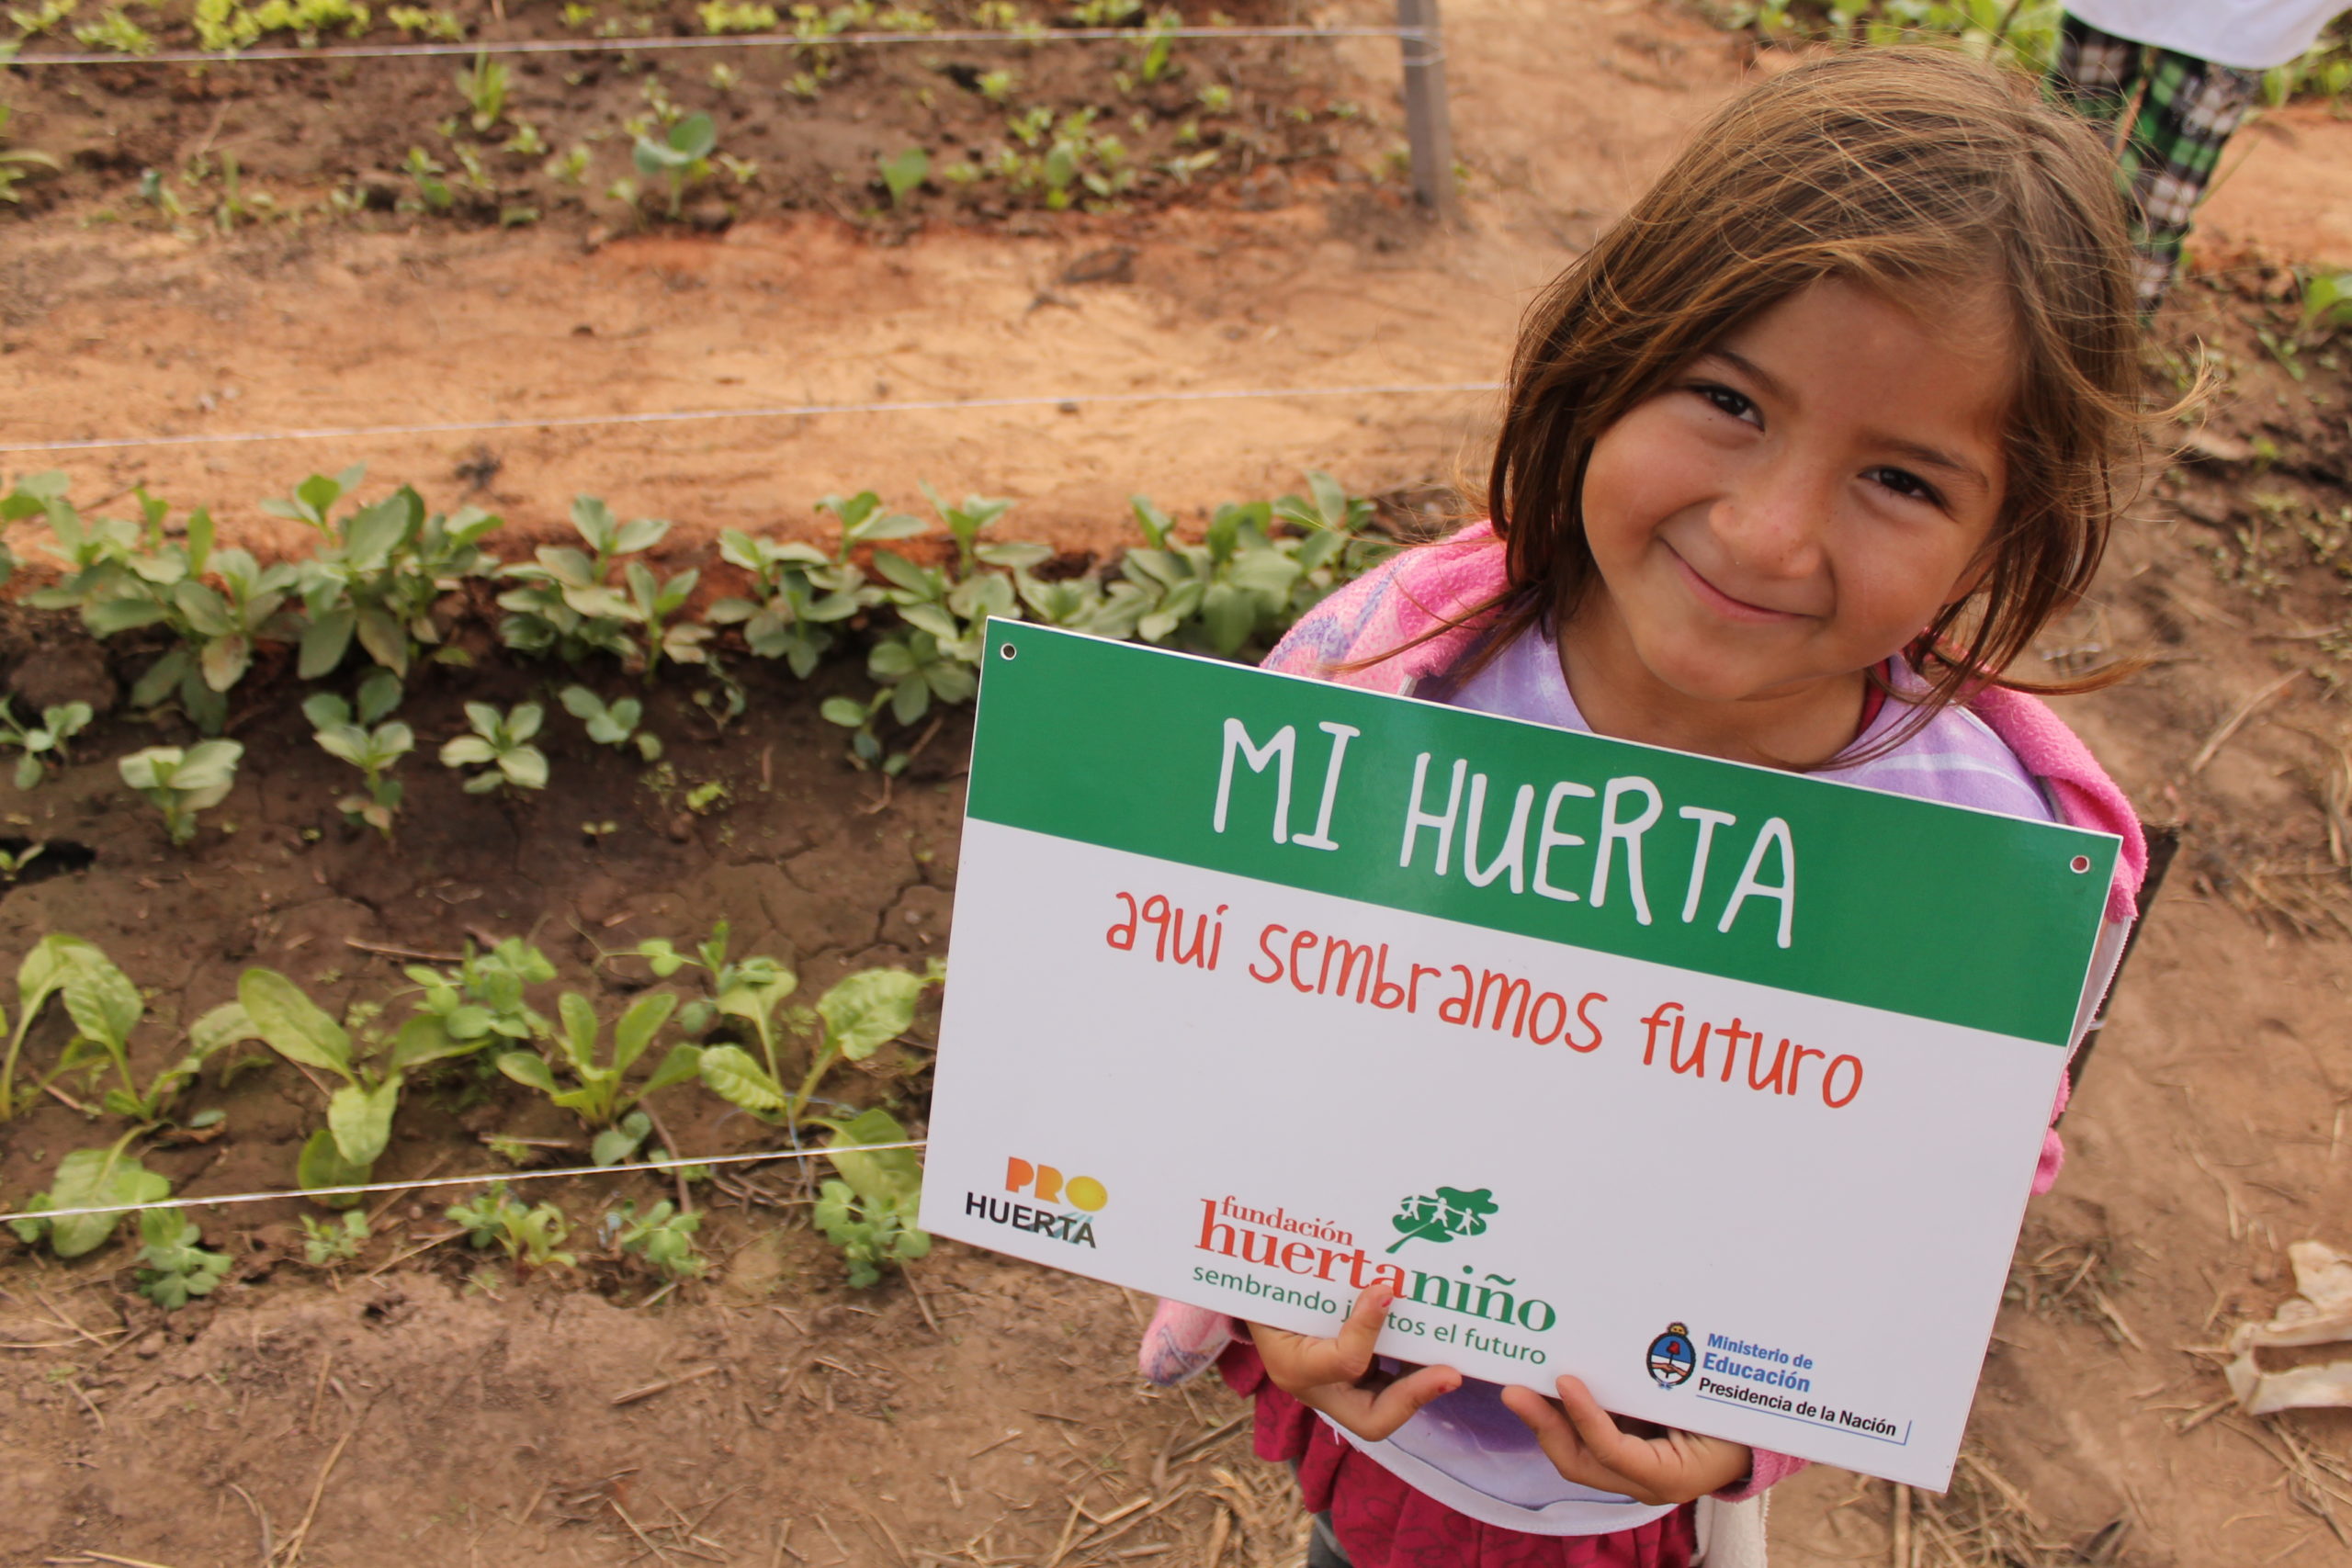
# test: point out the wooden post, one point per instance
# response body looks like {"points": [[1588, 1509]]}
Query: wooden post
{"points": [[1427, 126]]}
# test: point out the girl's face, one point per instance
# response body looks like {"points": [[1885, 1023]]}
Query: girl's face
{"points": [[1793, 509]]}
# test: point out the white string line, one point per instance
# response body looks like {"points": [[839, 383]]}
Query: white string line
{"points": [[362, 1188], [783, 410], [721, 40]]}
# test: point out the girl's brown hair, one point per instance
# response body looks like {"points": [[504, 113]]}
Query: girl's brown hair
{"points": [[1915, 172]]}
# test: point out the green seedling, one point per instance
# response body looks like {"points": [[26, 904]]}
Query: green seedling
{"points": [[116, 31], [415, 21], [433, 192], [598, 832], [501, 746], [866, 748], [1258, 567], [903, 172], [566, 605], [864, 522], [600, 1095], [870, 1211], [622, 1139], [104, 1007], [679, 157], [122, 575], [377, 572], [333, 1240], [16, 161], [484, 85], [345, 734], [359, 1112], [967, 521], [613, 723], [174, 1269], [531, 1236], [663, 1238], [181, 783], [480, 1003], [43, 743], [2327, 305], [657, 603], [709, 795], [110, 1177], [1160, 48], [859, 1015], [42, 975], [13, 863], [749, 990], [224, 24], [799, 592]]}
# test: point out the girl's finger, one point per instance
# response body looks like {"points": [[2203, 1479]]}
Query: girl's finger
{"points": [[1599, 1432], [1356, 1336], [1398, 1403], [1566, 1447]]}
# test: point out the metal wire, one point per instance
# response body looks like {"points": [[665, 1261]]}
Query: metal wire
{"points": [[362, 1188], [784, 410], [736, 41]]}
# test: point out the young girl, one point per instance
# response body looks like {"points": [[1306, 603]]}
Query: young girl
{"points": [[1794, 463]]}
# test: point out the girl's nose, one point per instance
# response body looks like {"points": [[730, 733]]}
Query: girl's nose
{"points": [[1773, 522]]}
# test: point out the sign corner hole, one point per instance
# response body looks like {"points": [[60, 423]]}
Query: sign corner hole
{"points": [[2079, 864], [1006, 650]]}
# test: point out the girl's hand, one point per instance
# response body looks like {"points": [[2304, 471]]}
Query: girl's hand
{"points": [[1336, 1376], [1588, 1448]]}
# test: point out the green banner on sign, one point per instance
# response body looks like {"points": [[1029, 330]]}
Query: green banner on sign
{"points": [[1781, 879]]}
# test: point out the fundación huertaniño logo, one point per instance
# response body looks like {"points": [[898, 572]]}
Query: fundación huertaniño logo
{"points": [[1440, 1216], [1672, 1359]]}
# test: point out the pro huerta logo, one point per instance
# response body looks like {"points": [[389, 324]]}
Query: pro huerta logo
{"points": [[1449, 1213]]}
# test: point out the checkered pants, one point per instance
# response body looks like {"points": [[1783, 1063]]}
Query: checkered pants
{"points": [[2171, 113]]}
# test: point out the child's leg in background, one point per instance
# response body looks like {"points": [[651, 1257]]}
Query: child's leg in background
{"points": [[2172, 113]]}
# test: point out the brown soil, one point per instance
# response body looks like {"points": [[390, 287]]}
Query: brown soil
{"points": [[2209, 1133], [808, 125]]}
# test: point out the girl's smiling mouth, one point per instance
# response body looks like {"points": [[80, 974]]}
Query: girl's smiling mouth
{"points": [[1725, 605]]}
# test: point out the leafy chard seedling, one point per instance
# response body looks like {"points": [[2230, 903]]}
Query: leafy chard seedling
{"points": [[109, 1178], [532, 1237], [378, 573], [13, 864], [337, 1239], [182, 783], [568, 605], [663, 1237], [104, 1007], [903, 172], [599, 1094], [864, 522], [360, 1111], [483, 86], [856, 1017], [799, 592], [748, 989], [869, 1213], [1246, 582], [657, 603], [123, 575], [478, 1004], [44, 742], [866, 748], [173, 1267], [680, 156], [501, 746], [345, 732], [613, 723]]}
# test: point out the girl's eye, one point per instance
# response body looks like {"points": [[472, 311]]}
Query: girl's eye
{"points": [[1736, 404], [1903, 482]]}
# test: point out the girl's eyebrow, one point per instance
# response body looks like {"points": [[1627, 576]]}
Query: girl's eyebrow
{"points": [[1917, 451]]}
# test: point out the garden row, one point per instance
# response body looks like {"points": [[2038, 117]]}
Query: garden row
{"points": [[982, 127], [388, 593]]}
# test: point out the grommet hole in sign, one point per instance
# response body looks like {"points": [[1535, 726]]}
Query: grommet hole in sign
{"points": [[2079, 864], [1008, 651]]}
